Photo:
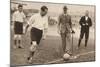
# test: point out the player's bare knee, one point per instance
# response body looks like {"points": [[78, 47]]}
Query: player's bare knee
{"points": [[19, 36], [33, 46], [15, 36]]}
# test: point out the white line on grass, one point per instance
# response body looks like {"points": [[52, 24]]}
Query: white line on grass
{"points": [[85, 53], [61, 59]]}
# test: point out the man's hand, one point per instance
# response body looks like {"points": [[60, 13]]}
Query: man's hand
{"points": [[83, 24], [73, 32], [87, 24]]}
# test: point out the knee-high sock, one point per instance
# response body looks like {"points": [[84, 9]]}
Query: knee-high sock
{"points": [[86, 42], [19, 41], [15, 42], [79, 42]]}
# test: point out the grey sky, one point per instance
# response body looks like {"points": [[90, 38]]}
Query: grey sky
{"points": [[57, 8]]}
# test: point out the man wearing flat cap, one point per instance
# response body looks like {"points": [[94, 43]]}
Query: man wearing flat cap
{"points": [[65, 29]]}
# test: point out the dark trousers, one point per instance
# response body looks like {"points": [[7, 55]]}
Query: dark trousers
{"points": [[84, 32], [18, 27], [36, 35]]}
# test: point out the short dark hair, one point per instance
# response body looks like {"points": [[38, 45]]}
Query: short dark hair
{"points": [[43, 8], [20, 5]]}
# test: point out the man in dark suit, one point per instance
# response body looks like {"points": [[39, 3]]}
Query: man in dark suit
{"points": [[85, 23], [64, 29]]}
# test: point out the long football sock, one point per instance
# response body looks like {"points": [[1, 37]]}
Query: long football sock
{"points": [[15, 42], [30, 55]]}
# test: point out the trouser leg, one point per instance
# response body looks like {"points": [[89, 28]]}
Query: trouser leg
{"points": [[68, 43], [63, 37], [81, 37], [86, 37]]}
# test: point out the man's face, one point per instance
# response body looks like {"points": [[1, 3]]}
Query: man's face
{"points": [[65, 11], [43, 13], [20, 9], [87, 13]]}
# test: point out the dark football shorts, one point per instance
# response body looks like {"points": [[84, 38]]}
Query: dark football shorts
{"points": [[36, 35], [18, 27]]}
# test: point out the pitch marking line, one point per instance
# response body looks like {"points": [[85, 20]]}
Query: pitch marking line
{"points": [[81, 54], [85, 53]]}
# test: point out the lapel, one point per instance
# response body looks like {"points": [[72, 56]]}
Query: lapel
{"points": [[65, 17]]}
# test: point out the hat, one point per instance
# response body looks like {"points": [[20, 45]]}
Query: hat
{"points": [[65, 7]]}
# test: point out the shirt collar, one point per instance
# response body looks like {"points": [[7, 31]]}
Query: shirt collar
{"points": [[20, 12], [65, 14]]}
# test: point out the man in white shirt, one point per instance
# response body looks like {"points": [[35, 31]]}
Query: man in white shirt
{"points": [[18, 20], [37, 24]]}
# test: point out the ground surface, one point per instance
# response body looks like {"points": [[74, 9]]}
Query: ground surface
{"points": [[49, 50]]}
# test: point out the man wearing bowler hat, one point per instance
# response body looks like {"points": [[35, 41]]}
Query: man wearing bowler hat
{"points": [[65, 29]]}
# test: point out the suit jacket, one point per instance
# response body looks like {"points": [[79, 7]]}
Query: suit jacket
{"points": [[64, 23], [83, 21]]}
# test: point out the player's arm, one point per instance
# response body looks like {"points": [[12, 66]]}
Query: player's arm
{"points": [[46, 25], [30, 22], [13, 19], [45, 29], [24, 18], [27, 26]]}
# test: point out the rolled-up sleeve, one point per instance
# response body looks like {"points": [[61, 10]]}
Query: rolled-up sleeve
{"points": [[46, 25], [14, 17], [24, 15]]}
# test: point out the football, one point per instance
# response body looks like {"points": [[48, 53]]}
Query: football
{"points": [[66, 56]]}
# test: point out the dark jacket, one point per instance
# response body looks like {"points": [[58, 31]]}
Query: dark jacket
{"points": [[83, 21]]}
